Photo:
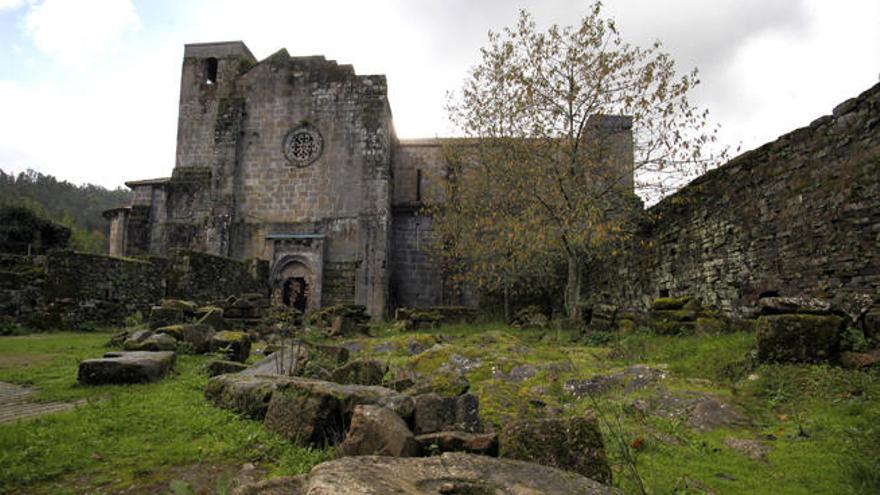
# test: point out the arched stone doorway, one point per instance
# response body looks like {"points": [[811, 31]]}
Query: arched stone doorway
{"points": [[295, 293], [293, 285]]}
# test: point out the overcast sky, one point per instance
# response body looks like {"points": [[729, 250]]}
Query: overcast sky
{"points": [[89, 88]]}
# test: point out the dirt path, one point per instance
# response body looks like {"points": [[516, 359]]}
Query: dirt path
{"points": [[16, 403]]}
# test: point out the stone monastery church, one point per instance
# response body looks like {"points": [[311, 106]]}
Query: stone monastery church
{"points": [[294, 160]]}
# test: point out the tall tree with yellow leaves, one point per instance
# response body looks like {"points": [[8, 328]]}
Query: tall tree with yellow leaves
{"points": [[544, 172]]}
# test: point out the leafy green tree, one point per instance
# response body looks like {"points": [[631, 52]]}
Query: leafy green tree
{"points": [[533, 183], [78, 207]]}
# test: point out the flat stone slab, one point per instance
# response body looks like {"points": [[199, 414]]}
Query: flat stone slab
{"points": [[126, 367], [16, 404], [700, 412], [450, 473]]}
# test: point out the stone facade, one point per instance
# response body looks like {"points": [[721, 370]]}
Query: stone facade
{"points": [[294, 160], [797, 216]]}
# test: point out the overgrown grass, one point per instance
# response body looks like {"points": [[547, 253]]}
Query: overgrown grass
{"points": [[124, 435], [820, 422]]}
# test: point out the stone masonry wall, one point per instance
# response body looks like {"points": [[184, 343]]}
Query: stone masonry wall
{"points": [[66, 289], [203, 277], [82, 288], [419, 179], [415, 279], [797, 216]]}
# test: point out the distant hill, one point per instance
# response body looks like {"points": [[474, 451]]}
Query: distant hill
{"points": [[78, 207]]}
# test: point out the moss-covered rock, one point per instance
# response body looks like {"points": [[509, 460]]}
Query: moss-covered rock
{"points": [[235, 345], [125, 367], [221, 367], [155, 342], [210, 316], [434, 413], [249, 395], [163, 317], [196, 336], [360, 372], [317, 412], [670, 303], [872, 325], [801, 338], [711, 326], [187, 307], [377, 430], [572, 444]]}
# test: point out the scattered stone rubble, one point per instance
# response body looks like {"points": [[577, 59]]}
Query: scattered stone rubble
{"points": [[351, 410]]}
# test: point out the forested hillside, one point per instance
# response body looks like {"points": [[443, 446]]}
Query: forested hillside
{"points": [[78, 207]]}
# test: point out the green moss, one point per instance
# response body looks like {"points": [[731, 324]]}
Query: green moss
{"points": [[231, 336], [667, 303], [798, 337], [673, 315], [711, 326]]}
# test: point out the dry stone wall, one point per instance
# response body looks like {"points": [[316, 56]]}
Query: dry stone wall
{"points": [[797, 216], [66, 289]]}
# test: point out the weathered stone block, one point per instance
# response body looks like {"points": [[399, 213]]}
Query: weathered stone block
{"points": [[163, 317], [572, 444], [249, 395], [236, 345], [211, 316], [317, 412], [360, 372], [670, 303], [785, 305], [434, 413], [187, 307], [216, 368], [377, 430], [155, 342], [196, 335], [799, 338], [125, 367]]}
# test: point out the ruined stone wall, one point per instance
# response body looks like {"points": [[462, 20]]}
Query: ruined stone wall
{"points": [[21, 285], [67, 289], [82, 288], [203, 277], [800, 215]]}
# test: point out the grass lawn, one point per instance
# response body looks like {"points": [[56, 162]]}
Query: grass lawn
{"points": [[820, 423], [134, 435]]}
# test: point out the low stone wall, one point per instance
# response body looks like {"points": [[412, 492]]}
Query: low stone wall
{"points": [[203, 277], [66, 289], [85, 288], [21, 285], [798, 216]]}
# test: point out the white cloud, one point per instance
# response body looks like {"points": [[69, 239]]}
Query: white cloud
{"points": [[10, 4], [79, 33]]}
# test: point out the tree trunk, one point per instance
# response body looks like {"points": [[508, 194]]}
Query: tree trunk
{"points": [[573, 289]]}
